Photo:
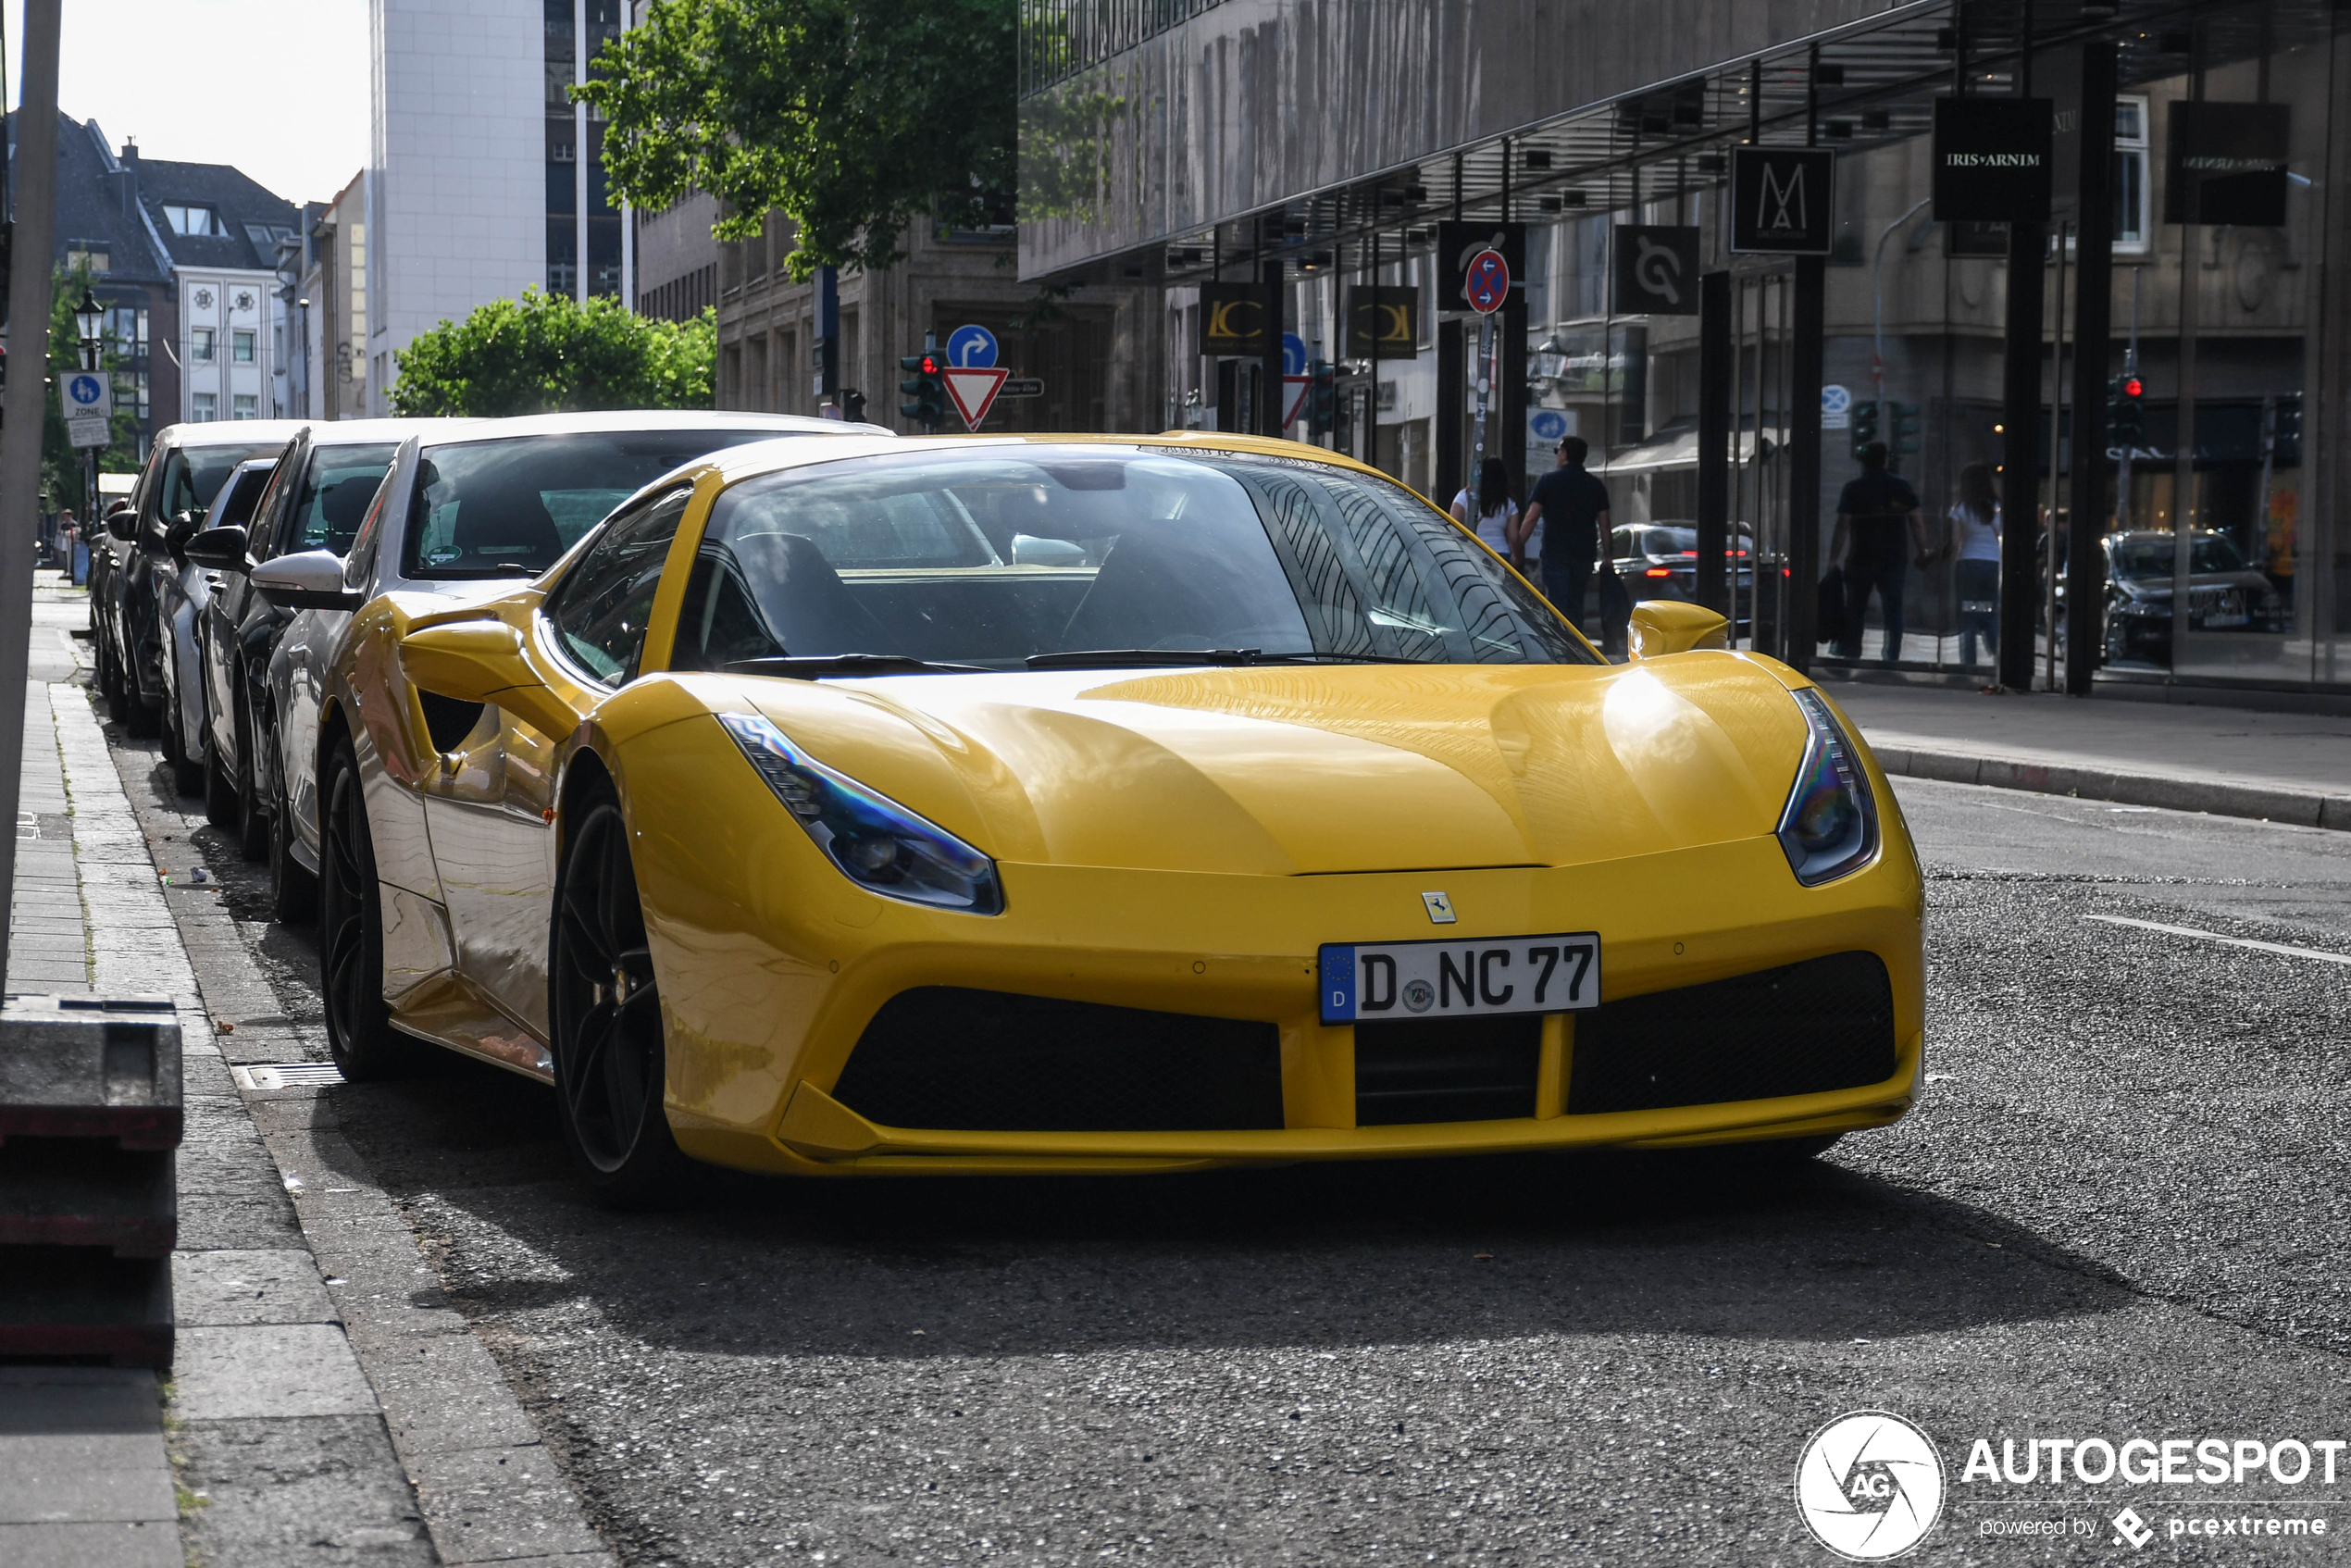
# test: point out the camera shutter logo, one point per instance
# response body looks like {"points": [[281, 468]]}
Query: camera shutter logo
{"points": [[1870, 1485]]}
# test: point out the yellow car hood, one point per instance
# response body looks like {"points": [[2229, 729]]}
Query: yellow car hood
{"points": [[1314, 768]]}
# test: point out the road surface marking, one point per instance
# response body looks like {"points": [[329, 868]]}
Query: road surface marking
{"points": [[2216, 936]]}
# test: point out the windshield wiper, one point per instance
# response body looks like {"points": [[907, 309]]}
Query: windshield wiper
{"points": [[816, 666], [1113, 658]]}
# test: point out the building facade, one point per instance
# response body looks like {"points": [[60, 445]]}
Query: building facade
{"points": [[1175, 141]]}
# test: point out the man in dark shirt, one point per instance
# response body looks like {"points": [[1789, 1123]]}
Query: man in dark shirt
{"points": [[1869, 544], [1575, 506]]}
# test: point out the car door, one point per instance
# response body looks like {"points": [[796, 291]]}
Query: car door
{"points": [[490, 806]]}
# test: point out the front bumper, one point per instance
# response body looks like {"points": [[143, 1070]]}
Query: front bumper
{"points": [[762, 1022]]}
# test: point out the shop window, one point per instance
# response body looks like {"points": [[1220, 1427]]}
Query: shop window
{"points": [[203, 408], [240, 347], [2132, 189], [244, 405], [200, 341]]}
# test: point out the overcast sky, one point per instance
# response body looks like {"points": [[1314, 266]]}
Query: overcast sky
{"points": [[277, 87]]}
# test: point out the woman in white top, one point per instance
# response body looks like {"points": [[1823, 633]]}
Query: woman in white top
{"points": [[1976, 517], [1497, 513]]}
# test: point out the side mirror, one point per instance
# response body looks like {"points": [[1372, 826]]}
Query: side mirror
{"points": [[1661, 626], [311, 579], [123, 525], [482, 662], [220, 549]]}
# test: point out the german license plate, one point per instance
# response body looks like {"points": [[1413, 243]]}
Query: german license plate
{"points": [[1458, 978]]}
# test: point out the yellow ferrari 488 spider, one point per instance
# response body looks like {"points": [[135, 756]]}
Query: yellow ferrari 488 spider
{"points": [[1090, 804]]}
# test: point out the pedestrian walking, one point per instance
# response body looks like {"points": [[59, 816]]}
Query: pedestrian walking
{"points": [[1491, 513], [1976, 517], [1869, 519], [68, 537], [1571, 506]]}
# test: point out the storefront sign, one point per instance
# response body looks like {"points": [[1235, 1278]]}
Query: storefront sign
{"points": [[1656, 269], [1383, 322], [1992, 160], [1234, 320], [1783, 201], [2227, 164], [1458, 245]]}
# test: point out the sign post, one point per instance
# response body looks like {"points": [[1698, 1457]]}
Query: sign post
{"points": [[87, 402]]}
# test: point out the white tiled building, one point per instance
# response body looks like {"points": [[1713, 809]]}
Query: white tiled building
{"points": [[456, 188]]}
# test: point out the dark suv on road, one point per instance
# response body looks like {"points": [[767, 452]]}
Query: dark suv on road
{"points": [[141, 545]]}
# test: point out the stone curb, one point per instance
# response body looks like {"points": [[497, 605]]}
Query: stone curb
{"points": [[2303, 808]]}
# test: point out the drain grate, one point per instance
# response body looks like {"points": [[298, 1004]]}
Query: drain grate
{"points": [[286, 1074]]}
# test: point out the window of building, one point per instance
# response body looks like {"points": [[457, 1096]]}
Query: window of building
{"points": [[240, 347], [81, 256], [2133, 191], [244, 405], [203, 408], [205, 221], [200, 351]]}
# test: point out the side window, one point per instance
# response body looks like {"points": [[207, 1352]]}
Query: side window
{"points": [[599, 610], [262, 532]]}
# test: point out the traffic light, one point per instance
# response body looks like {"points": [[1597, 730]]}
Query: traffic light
{"points": [[2126, 415], [927, 390], [1322, 396], [1903, 433], [2285, 451], [1864, 426]]}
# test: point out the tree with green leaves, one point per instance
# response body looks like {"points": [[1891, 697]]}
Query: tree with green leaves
{"points": [[852, 118], [547, 353]]}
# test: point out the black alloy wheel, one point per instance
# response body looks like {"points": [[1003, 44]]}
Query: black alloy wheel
{"points": [[187, 766], [251, 825], [351, 961], [607, 1008], [294, 891]]}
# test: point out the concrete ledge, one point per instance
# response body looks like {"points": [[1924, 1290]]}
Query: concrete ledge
{"points": [[2170, 791]]}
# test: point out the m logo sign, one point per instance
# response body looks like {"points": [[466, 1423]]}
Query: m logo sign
{"points": [[1656, 270], [1783, 201]]}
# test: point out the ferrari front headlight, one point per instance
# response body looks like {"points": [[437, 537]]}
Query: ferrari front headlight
{"points": [[877, 844], [1829, 825]]}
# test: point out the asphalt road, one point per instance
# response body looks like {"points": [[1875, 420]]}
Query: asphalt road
{"points": [[2117, 1214]]}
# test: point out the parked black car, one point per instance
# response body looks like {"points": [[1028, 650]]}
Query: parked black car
{"points": [[1659, 561], [2225, 593], [185, 468]]}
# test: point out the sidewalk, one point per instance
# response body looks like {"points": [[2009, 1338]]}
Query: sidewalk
{"points": [[319, 1410], [2230, 762]]}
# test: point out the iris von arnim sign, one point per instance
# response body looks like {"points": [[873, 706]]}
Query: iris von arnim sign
{"points": [[1992, 160]]}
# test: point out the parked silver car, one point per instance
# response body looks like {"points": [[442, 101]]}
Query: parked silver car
{"points": [[183, 589], [465, 511]]}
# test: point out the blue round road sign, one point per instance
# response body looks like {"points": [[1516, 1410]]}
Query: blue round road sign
{"points": [[85, 390], [1547, 424], [1489, 282], [971, 348], [1293, 354]]}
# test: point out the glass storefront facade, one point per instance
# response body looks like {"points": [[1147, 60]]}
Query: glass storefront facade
{"points": [[2224, 525]]}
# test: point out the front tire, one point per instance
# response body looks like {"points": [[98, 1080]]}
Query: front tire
{"points": [[187, 770], [610, 1065], [253, 811], [294, 891], [351, 951]]}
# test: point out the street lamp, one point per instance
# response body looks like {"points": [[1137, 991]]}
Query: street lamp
{"points": [[89, 315]]}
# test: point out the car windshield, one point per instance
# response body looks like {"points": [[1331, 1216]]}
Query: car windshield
{"points": [[192, 476], [1058, 554], [513, 506], [2150, 557], [335, 493]]}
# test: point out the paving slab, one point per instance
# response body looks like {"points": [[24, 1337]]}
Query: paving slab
{"points": [[278, 1369]]}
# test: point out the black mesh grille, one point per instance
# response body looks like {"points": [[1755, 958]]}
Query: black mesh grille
{"points": [[1446, 1070], [977, 1060], [1804, 1028]]}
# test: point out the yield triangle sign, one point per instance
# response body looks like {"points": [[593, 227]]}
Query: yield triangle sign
{"points": [[1292, 405], [974, 389]]}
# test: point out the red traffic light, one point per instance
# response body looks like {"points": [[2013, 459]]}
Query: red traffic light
{"points": [[930, 364], [2132, 386]]}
